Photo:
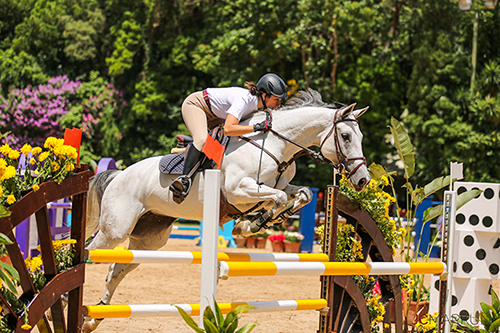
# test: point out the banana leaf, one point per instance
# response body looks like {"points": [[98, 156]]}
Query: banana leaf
{"points": [[404, 147], [377, 171], [437, 184], [462, 199]]}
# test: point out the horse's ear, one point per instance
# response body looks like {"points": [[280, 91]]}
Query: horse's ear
{"points": [[348, 110], [359, 113]]}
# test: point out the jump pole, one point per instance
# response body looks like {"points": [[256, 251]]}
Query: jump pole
{"points": [[192, 257], [229, 269], [169, 310]]}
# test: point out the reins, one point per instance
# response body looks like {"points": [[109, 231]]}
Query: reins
{"points": [[317, 156]]}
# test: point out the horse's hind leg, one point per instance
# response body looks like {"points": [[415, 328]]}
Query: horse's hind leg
{"points": [[150, 233]]}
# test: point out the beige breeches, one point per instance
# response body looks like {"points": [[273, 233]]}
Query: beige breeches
{"points": [[198, 118]]}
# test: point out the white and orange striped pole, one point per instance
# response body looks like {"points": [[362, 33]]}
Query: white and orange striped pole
{"points": [[166, 310], [192, 257], [227, 269]]}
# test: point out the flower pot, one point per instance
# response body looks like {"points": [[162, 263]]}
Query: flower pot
{"points": [[291, 247], [415, 315], [250, 242], [423, 309], [278, 246], [260, 242], [240, 241]]}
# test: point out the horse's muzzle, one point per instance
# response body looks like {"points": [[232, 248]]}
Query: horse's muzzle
{"points": [[360, 186]]}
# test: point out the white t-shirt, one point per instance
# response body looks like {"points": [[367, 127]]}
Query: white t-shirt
{"points": [[233, 100]]}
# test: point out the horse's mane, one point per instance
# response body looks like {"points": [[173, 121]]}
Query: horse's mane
{"points": [[304, 98]]}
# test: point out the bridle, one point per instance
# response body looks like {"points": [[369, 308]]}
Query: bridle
{"points": [[341, 157], [317, 156]]}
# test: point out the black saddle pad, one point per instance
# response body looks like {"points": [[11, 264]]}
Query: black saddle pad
{"points": [[172, 164]]}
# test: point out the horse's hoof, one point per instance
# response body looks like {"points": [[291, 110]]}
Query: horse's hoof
{"points": [[90, 325], [242, 228]]}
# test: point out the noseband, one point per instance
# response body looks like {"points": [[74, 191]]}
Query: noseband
{"points": [[341, 157]]}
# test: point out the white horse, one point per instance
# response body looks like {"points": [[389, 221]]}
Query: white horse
{"points": [[136, 203]]}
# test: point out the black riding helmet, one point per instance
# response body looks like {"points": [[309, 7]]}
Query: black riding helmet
{"points": [[272, 84]]}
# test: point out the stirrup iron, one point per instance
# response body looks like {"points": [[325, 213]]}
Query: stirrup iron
{"points": [[180, 194]]}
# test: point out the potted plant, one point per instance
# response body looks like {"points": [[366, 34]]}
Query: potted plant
{"points": [[277, 242], [250, 241], [261, 240], [216, 323], [292, 241]]}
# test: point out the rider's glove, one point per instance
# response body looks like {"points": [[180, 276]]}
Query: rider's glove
{"points": [[263, 126]]}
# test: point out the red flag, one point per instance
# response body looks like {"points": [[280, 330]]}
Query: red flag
{"points": [[73, 138], [214, 150]]}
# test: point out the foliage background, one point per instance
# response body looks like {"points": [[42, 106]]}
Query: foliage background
{"points": [[131, 63]]}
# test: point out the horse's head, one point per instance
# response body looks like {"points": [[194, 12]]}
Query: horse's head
{"points": [[343, 145]]}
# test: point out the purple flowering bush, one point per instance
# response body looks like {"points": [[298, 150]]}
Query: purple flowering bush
{"points": [[97, 110], [35, 113], [32, 114]]}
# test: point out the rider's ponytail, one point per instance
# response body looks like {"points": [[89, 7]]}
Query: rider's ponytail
{"points": [[253, 88]]}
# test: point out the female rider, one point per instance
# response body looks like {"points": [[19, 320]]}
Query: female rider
{"points": [[206, 109]]}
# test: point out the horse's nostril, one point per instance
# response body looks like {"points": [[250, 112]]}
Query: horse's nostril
{"points": [[362, 182]]}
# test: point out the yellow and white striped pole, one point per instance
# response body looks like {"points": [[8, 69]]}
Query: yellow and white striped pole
{"points": [[166, 310], [192, 257], [227, 269]]}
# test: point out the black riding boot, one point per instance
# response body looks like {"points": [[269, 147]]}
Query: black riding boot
{"points": [[182, 184]]}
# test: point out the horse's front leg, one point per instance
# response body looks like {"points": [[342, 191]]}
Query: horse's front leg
{"points": [[298, 197], [250, 193]]}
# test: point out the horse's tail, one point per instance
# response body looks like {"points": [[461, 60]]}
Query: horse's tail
{"points": [[96, 190]]}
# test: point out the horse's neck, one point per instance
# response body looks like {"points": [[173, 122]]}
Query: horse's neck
{"points": [[305, 126]]}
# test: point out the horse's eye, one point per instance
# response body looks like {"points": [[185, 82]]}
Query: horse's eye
{"points": [[345, 136]]}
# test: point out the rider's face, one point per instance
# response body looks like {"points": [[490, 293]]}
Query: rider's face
{"points": [[272, 102]]}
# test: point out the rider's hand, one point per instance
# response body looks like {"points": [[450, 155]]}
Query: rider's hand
{"points": [[263, 126]]}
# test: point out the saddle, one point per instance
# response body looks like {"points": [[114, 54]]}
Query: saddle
{"points": [[173, 164]]}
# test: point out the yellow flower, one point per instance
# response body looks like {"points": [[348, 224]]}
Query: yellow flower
{"points": [[26, 149], [5, 149], [32, 161], [11, 199], [55, 166], [43, 156], [386, 325], [26, 327], [36, 150], [52, 142], [34, 264], [36, 187], [1, 193], [402, 231], [3, 163], [70, 167], [9, 172], [14, 154]]}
